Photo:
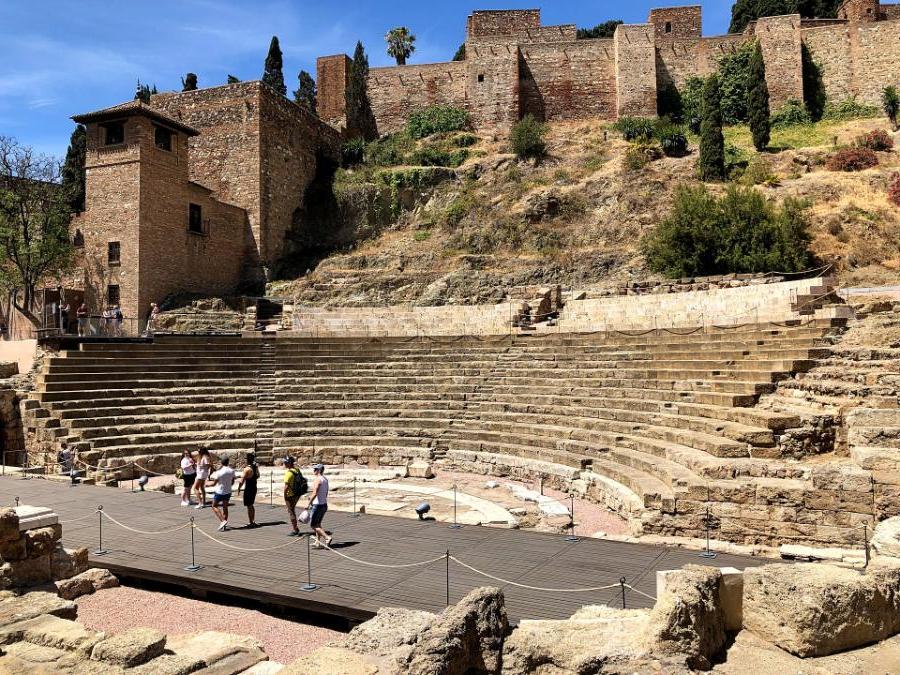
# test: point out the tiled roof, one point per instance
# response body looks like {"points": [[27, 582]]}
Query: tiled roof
{"points": [[138, 107]]}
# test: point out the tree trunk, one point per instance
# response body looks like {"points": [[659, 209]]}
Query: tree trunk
{"points": [[25, 308], [401, 60]]}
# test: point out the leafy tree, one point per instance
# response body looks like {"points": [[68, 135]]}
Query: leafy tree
{"points": [[232, 79], [712, 141], [460, 54], [73, 173], [34, 224], [890, 101], [189, 82], [305, 94], [734, 79], [745, 11], [400, 44], [144, 92], [738, 233], [607, 29], [360, 118], [814, 96], [272, 74], [758, 101], [691, 94], [527, 138]]}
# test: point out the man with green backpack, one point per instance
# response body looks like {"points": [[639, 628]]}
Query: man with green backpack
{"points": [[295, 486]]}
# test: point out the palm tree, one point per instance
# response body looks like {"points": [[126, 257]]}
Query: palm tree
{"points": [[401, 43], [890, 101]]}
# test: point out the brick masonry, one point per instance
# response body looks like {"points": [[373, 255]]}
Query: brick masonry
{"points": [[516, 66]]}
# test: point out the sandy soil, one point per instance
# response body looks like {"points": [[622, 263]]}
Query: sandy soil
{"points": [[118, 609]]}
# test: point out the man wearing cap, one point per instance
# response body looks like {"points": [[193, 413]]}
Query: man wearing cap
{"points": [[292, 492], [318, 505]]}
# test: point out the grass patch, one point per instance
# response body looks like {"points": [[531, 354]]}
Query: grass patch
{"points": [[791, 137]]}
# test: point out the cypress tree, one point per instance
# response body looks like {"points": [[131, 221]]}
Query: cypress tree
{"points": [[73, 175], [360, 118], [305, 94], [758, 101], [273, 75], [712, 141], [232, 79], [189, 82]]}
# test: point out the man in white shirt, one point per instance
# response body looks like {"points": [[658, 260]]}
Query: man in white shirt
{"points": [[224, 480]]}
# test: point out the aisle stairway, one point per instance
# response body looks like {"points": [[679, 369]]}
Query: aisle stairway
{"points": [[651, 425]]}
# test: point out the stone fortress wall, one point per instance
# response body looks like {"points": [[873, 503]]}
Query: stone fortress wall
{"points": [[515, 66]]}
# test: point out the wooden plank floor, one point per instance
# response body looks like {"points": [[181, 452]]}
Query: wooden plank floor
{"points": [[346, 588]]}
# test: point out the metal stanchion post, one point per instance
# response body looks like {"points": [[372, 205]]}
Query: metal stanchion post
{"points": [[25, 465], [193, 567], [17, 502], [271, 486], [355, 511], [572, 536], [309, 585], [447, 558], [708, 553], [622, 584], [866, 542], [4, 463], [455, 525], [133, 467], [100, 550]]}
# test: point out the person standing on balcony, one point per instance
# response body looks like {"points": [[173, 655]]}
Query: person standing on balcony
{"points": [[82, 313]]}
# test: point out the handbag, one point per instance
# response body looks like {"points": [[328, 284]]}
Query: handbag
{"points": [[304, 516]]}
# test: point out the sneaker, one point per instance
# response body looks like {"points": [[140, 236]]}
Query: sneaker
{"points": [[223, 526], [185, 503], [315, 544], [329, 540], [199, 506], [293, 534]]}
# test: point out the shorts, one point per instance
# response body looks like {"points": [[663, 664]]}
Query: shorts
{"points": [[249, 497], [203, 476], [188, 479], [221, 499], [316, 513]]}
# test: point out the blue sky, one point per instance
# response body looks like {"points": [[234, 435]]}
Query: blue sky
{"points": [[62, 57]]}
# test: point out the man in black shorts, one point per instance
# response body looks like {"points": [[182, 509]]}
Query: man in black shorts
{"points": [[250, 477]]}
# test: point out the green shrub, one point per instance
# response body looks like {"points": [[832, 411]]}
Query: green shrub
{"points": [[635, 128], [640, 154], [758, 111], [890, 103], [894, 190], [740, 232], [389, 151], [672, 138], [422, 235], [852, 159], [736, 161], [691, 103], [458, 209], [436, 119], [464, 140], [792, 113], [527, 138], [814, 95], [758, 173], [849, 109], [711, 164], [878, 140], [435, 156], [734, 81], [353, 152]]}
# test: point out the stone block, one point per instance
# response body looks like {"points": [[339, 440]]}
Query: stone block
{"points": [[100, 579], [13, 549], [34, 604], [70, 589], [40, 542], [9, 525], [51, 631], [66, 562], [817, 609], [169, 664], [131, 648], [420, 470], [34, 517], [28, 572], [332, 660]]}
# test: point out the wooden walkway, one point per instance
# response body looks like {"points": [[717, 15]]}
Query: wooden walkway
{"points": [[346, 588]]}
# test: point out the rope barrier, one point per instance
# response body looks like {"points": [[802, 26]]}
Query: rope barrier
{"points": [[632, 588], [145, 532], [76, 520], [383, 565], [241, 548], [146, 470], [533, 588]]}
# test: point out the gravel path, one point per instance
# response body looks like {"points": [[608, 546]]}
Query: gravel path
{"points": [[118, 609]]}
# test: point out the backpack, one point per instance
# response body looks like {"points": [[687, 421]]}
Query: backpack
{"points": [[299, 486]]}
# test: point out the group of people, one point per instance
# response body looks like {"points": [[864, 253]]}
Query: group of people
{"points": [[198, 473], [111, 320]]}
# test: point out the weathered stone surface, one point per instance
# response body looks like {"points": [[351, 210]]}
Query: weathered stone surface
{"points": [[41, 542], [29, 572], [466, 637], [34, 604], [420, 470], [169, 664], [214, 647], [594, 640], [9, 525], [688, 618], [70, 589], [131, 648], [100, 578], [13, 549], [886, 540], [331, 660], [389, 630], [67, 562], [815, 610], [51, 631]]}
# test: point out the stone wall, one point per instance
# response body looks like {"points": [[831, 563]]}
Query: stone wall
{"points": [[831, 48], [635, 70], [779, 37], [673, 23], [31, 552], [492, 83], [504, 22], [332, 73], [569, 80], [395, 92]]}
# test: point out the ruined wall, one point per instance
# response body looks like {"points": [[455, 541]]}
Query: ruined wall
{"points": [[503, 22], [779, 38], [859, 11], [677, 22], [831, 47], [635, 52], [332, 74], [395, 92], [563, 33], [492, 83], [569, 80]]}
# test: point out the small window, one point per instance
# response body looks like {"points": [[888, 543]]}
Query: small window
{"points": [[668, 26], [481, 77], [112, 294], [163, 138], [114, 252], [195, 219], [115, 133]]}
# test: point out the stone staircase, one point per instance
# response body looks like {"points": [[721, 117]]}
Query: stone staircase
{"points": [[265, 403]]}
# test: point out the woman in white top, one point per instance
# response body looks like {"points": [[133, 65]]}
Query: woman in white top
{"points": [[188, 476], [318, 506], [204, 465]]}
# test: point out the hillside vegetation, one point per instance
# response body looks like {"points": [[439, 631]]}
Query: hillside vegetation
{"points": [[461, 234]]}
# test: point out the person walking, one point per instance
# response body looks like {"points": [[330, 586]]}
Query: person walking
{"points": [[188, 476], [119, 318], [82, 314], [249, 477], [224, 480], [294, 488], [151, 320], [318, 506], [204, 465]]}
